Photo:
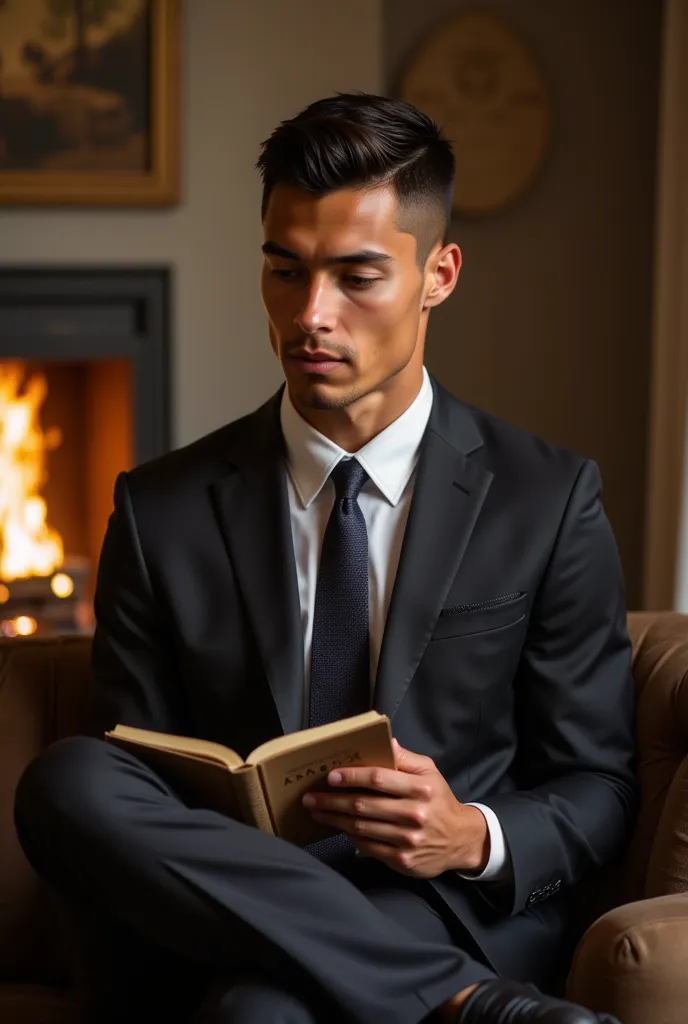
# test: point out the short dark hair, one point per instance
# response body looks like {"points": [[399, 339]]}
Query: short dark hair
{"points": [[358, 140]]}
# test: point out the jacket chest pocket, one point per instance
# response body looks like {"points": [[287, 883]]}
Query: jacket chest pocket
{"points": [[481, 617]]}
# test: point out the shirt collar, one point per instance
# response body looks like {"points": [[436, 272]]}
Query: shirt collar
{"points": [[389, 458]]}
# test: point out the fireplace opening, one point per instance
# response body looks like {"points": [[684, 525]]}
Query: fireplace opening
{"points": [[83, 396], [66, 453]]}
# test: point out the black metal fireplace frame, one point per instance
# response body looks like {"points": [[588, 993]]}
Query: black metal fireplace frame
{"points": [[74, 313]]}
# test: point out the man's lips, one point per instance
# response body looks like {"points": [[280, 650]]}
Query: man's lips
{"points": [[318, 355], [317, 362]]}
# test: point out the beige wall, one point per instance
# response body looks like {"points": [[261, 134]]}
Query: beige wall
{"points": [[248, 65], [550, 324]]}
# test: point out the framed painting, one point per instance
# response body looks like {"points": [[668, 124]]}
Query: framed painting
{"points": [[89, 102]]}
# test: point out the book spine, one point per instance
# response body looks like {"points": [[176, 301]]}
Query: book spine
{"points": [[249, 792]]}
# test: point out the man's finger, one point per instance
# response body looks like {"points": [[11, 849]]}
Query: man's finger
{"points": [[383, 852], [397, 810], [365, 828], [381, 780]]}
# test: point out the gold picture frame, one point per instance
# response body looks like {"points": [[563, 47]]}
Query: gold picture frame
{"points": [[144, 165]]}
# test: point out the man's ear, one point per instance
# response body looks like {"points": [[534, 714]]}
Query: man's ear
{"points": [[441, 275]]}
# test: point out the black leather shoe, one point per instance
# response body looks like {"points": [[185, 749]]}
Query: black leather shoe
{"points": [[507, 1002]]}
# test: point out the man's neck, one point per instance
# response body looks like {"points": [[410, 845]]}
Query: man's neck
{"points": [[353, 427]]}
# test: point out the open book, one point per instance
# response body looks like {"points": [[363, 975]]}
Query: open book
{"points": [[266, 789]]}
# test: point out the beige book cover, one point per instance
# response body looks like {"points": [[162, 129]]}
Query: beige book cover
{"points": [[266, 789]]}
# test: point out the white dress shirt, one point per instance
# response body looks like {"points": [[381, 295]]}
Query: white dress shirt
{"points": [[390, 460]]}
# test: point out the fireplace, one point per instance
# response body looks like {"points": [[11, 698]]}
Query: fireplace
{"points": [[84, 394]]}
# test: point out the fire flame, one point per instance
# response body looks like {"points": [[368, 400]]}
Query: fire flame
{"points": [[28, 546]]}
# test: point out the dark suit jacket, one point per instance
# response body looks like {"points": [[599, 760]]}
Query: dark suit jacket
{"points": [[505, 656]]}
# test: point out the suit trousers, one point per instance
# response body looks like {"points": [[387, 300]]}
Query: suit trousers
{"points": [[182, 914]]}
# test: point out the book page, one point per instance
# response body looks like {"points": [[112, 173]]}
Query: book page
{"points": [[304, 737], [205, 749]]}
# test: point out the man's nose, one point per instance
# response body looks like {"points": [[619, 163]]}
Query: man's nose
{"points": [[318, 312]]}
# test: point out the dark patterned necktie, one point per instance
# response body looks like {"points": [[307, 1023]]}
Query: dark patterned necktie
{"points": [[340, 648]]}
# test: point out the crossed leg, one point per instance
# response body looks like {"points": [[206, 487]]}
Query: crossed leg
{"points": [[207, 897], [257, 1001]]}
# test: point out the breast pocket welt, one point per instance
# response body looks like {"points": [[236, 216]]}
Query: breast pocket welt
{"points": [[480, 617]]}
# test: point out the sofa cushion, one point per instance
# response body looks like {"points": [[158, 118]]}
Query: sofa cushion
{"points": [[31, 717], [631, 963], [658, 857]]}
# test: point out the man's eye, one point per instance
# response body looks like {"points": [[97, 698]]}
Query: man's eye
{"points": [[357, 280], [361, 282]]}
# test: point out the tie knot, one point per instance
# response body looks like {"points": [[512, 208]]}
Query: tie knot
{"points": [[348, 476]]}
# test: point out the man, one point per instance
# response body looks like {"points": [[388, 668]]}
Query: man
{"points": [[363, 538]]}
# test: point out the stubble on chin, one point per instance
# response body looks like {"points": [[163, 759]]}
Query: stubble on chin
{"points": [[320, 401]]}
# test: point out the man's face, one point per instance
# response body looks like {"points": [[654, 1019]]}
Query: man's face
{"points": [[340, 280]]}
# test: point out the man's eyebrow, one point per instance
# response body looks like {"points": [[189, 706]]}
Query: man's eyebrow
{"points": [[363, 256]]}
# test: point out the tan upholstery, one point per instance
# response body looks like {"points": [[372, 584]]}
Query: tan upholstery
{"points": [[630, 961]]}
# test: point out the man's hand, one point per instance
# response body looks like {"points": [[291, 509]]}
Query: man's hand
{"points": [[410, 819]]}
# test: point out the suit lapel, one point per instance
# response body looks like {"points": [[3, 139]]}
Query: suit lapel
{"points": [[449, 492], [253, 509]]}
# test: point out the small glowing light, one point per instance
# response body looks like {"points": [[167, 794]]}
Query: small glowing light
{"points": [[4, 593], [8, 628], [62, 585], [25, 625]]}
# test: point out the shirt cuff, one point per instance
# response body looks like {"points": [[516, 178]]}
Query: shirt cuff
{"points": [[498, 867]]}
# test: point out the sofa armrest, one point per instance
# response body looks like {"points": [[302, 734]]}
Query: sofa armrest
{"points": [[632, 962], [660, 668]]}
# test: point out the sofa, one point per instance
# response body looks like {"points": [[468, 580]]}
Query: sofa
{"points": [[632, 960]]}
